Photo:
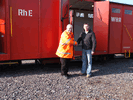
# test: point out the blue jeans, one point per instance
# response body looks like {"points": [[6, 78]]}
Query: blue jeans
{"points": [[86, 61]]}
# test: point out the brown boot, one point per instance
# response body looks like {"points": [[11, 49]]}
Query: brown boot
{"points": [[82, 74]]}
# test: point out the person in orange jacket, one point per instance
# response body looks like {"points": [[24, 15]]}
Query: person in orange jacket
{"points": [[65, 49]]}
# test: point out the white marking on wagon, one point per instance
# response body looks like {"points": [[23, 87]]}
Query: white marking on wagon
{"points": [[126, 47], [23, 12], [116, 19]]}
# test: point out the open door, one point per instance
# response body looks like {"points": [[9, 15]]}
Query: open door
{"points": [[97, 15], [81, 11], [101, 26]]}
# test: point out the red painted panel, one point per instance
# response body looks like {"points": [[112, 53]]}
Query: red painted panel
{"points": [[3, 57], [49, 27], [25, 27], [127, 30], [126, 39], [115, 29], [101, 22]]}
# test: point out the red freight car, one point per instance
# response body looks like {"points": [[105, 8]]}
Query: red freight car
{"points": [[31, 29], [111, 22]]}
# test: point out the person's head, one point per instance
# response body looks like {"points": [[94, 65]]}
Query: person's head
{"points": [[86, 26], [69, 28]]}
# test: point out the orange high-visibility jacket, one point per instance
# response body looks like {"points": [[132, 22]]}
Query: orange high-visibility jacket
{"points": [[65, 48]]}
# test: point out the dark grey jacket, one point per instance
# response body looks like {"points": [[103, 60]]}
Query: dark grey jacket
{"points": [[88, 40]]}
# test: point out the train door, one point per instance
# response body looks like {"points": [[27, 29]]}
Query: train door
{"points": [[50, 27], [24, 22], [127, 29], [80, 12], [115, 39], [101, 26], [81, 17]]}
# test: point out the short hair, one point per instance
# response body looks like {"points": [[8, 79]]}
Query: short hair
{"points": [[69, 25], [86, 24]]}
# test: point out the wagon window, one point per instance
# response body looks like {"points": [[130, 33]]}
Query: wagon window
{"points": [[79, 14], [129, 12], [115, 10], [90, 15]]}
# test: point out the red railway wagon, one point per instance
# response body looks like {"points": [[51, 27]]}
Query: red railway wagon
{"points": [[31, 29], [111, 22]]}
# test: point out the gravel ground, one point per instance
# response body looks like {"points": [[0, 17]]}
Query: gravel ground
{"points": [[112, 80]]}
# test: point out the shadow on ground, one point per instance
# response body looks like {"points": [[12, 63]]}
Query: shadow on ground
{"points": [[114, 66]]}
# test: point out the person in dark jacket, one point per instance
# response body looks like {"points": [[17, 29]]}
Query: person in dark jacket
{"points": [[88, 48]]}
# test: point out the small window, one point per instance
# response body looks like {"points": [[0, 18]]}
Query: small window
{"points": [[79, 14], [90, 15], [115, 10], [129, 12]]}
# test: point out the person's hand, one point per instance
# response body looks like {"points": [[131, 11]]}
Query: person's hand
{"points": [[76, 43], [92, 52]]}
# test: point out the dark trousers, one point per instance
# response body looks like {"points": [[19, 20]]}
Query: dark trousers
{"points": [[64, 65]]}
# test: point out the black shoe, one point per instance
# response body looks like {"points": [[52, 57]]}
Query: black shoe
{"points": [[68, 75]]}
